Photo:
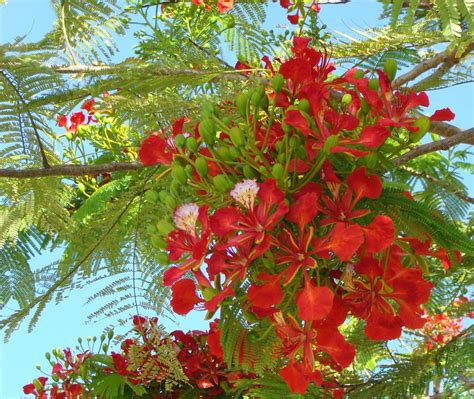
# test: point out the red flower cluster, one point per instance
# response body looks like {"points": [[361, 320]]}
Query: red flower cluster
{"points": [[78, 118], [297, 241], [222, 5], [440, 329]]}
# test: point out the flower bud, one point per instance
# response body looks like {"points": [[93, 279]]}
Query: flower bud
{"points": [[207, 131], [346, 99], [390, 68], [249, 172], [278, 82], [241, 102], [331, 141], [191, 144], [423, 125], [237, 137], [151, 196], [374, 84], [201, 166], [221, 183], [304, 105], [278, 171], [179, 173], [358, 74]]}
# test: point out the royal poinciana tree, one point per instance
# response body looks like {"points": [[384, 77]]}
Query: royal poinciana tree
{"points": [[288, 184]]}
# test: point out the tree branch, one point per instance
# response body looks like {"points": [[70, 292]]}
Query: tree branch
{"points": [[445, 144], [447, 58], [71, 170]]}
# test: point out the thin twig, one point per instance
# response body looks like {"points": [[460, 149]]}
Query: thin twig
{"points": [[445, 144], [71, 170]]}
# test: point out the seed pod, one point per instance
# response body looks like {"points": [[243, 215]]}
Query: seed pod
{"points": [[180, 141], [390, 68], [237, 137], [191, 144], [179, 174], [278, 171], [423, 125], [278, 82], [249, 172], [304, 105], [346, 99], [374, 84], [207, 131], [255, 99], [201, 166], [224, 153], [151, 196]]}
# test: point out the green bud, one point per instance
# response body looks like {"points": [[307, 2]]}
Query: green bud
{"points": [[423, 125], [390, 69], [47, 355], [151, 196], [201, 166], [102, 338], [175, 186], [81, 187], [162, 258], [304, 105], [234, 152], [224, 153], [164, 227], [189, 170], [191, 144], [294, 141], [281, 157], [278, 82], [301, 152], [221, 183], [359, 74], [263, 170], [241, 102], [55, 377], [151, 229], [279, 145], [264, 103], [371, 160], [331, 141], [110, 334], [255, 99], [69, 135], [286, 128], [346, 99], [278, 171], [249, 316], [237, 137], [207, 131], [374, 84], [105, 347], [180, 141], [170, 202], [209, 293], [179, 173], [249, 172]]}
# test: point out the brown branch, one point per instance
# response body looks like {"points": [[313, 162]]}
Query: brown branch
{"points": [[71, 170], [458, 193], [465, 136], [110, 69], [444, 68], [447, 58]]}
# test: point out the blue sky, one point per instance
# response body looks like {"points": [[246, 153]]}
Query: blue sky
{"points": [[61, 324]]}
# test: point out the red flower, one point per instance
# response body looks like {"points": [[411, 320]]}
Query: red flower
{"points": [[155, 149], [186, 240], [256, 223], [224, 5], [266, 295], [184, 296], [367, 298], [313, 302]]}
